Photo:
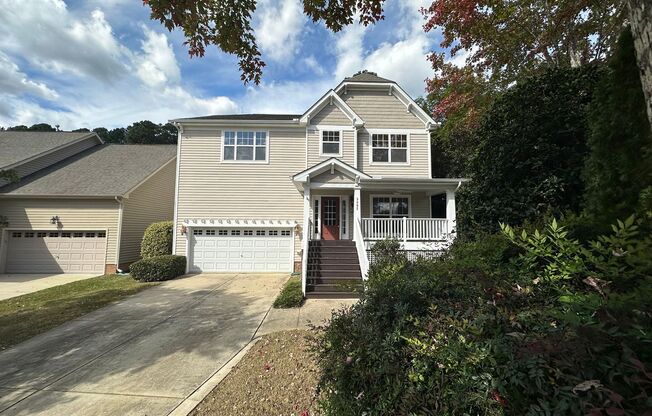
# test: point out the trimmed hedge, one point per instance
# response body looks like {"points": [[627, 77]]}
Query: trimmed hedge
{"points": [[156, 269], [157, 240], [291, 295]]}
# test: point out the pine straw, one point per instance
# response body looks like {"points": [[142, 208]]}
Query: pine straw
{"points": [[278, 376]]}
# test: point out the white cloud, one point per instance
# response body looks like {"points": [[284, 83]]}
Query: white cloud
{"points": [[46, 34], [158, 65], [279, 28], [15, 82]]}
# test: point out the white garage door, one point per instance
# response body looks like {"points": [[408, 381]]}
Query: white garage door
{"points": [[56, 252], [241, 250]]}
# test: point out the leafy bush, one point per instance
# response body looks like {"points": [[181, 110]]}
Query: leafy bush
{"points": [[155, 269], [513, 324], [157, 240], [291, 295], [531, 152]]}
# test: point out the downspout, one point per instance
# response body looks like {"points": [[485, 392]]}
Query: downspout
{"points": [[120, 202], [176, 188]]}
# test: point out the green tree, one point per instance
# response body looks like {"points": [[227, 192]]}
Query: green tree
{"points": [[531, 153], [82, 130], [116, 135], [147, 132], [20, 127], [41, 127], [619, 167]]}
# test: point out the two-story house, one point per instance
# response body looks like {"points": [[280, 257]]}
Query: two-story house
{"points": [[311, 192]]}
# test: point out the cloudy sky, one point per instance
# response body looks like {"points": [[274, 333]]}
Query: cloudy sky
{"points": [[89, 63]]}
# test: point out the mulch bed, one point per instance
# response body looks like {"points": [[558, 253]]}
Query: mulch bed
{"points": [[278, 376]]}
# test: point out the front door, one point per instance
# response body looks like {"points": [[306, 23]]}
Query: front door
{"points": [[330, 218]]}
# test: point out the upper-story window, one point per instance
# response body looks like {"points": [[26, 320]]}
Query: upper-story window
{"points": [[331, 143], [389, 148], [245, 146]]}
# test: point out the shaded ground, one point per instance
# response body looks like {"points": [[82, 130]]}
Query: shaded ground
{"points": [[278, 376], [24, 316]]}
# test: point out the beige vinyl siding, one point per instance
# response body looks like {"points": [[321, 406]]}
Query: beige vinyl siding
{"points": [[419, 144], [420, 202], [209, 188], [331, 115], [335, 177], [152, 201], [54, 157], [314, 143], [379, 110], [74, 214]]}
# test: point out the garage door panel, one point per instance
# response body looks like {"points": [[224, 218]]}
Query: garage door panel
{"points": [[214, 250], [56, 252]]}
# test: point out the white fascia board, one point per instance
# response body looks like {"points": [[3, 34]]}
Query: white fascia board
{"points": [[231, 122], [326, 165], [332, 96]]}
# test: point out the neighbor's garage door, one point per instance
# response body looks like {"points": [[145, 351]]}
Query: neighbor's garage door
{"points": [[241, 250], [56, 252]]}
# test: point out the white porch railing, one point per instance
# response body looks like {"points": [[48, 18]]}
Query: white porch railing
{"points": [[363, 260], [405, 229]]}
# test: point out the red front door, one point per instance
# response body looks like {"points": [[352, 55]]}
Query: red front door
{"points": [[330, 218]]}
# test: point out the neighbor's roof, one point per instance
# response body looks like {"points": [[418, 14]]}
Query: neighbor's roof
{"points": [[280, 117], [103, 171], [367, 76], [17, 146]]}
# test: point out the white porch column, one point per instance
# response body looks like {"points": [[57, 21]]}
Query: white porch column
{"points": [[307, 229], [450, 212], [357, 207]]}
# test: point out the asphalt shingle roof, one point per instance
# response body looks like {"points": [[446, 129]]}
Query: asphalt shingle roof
{"points": [[103, 170], [16, 146], [366, 76], [282, 117]]}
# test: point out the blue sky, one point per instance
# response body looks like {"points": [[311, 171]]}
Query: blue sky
{"points": [[89, 63]]}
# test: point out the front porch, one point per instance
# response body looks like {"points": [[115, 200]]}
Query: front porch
{"points": [[344, 204]]}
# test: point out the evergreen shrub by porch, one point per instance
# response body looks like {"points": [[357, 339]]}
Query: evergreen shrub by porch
{"points": [[532, 323], [157, 240], [158, 268]]}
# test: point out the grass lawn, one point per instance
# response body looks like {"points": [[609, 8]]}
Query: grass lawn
{"points": [[24, 316], [278, 376]]}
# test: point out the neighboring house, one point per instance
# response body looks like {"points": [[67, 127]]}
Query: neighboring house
{"points": [[80, 206], [268, 192]]}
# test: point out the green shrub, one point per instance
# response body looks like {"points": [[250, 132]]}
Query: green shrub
{"points": [[291, 295], [531, 153], [491, 328], [154, 269], [157, 240]]}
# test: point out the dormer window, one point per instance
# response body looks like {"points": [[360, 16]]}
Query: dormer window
{"points": [[331, 144], [389, 148], [245, 146]]}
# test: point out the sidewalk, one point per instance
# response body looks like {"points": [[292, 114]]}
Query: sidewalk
{"points": [[313, 311]]}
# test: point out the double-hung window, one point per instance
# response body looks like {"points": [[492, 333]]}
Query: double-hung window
{"points": [[389, 148], [245, 146], [390, 206], [331, 144]]}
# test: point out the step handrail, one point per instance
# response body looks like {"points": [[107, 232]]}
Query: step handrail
{"points": [[361, 249]]}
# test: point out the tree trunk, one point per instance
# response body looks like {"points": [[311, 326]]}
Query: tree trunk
{"points": [[640, 16]]}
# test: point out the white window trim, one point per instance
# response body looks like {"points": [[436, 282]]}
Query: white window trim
{"points": [[321, 143], [256, 162], [371, 204], [407, 133]]}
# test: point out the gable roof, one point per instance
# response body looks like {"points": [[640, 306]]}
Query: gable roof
{"points": [[367, 76], [21, 146], [331, 97], [103, 171], [332, 163], [247, 117]]}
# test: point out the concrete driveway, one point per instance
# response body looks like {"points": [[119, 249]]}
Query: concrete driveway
{"points": [[20, 284], [141, 356]]}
